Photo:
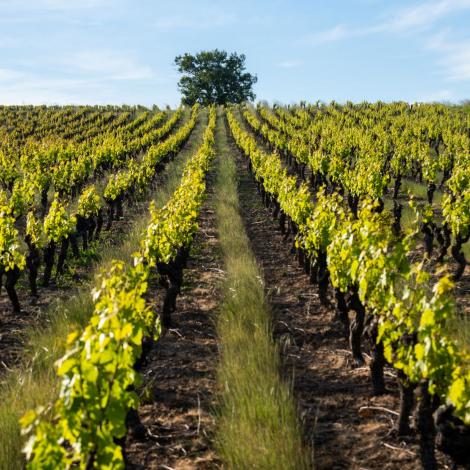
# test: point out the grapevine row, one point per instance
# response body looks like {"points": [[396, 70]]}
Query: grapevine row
{"points": [[61, 230], [371, 272], [371, 163], [86, 425]]}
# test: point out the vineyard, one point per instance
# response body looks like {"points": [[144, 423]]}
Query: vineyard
{"points": [[235, 287]]}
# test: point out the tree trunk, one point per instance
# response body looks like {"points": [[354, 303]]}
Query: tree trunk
{"points": [[426, 429], [396, 186], [430, 192], [62, 255], [343, 310], [406, 405], [49, 253], [397, 211], [33, 261], [12, 277], [356, 328], [459, 256], [377, 363], [323, 277]]}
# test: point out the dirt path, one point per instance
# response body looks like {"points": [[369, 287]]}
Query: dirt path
{"points": [[180, 377], [330, 394]]}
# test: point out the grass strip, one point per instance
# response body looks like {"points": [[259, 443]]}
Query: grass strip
{"points": [[258, 427]]}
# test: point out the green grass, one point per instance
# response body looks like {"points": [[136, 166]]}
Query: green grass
{"points": [[35, 383], [420, 191], [407, 216], [459, 329], [466, 250], [257, 426]]}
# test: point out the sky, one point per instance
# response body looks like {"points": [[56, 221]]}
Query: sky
{"points": [[122, 51]]}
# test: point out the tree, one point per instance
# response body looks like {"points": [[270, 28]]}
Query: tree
{"points": [[214, 77]]}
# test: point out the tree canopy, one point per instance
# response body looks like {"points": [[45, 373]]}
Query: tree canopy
{"points": [[214, 77]]}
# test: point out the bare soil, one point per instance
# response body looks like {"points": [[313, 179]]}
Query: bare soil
{"points": [[180, 373]]}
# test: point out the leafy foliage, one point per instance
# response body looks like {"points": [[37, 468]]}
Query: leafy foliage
{"points": [[58, 224], [363, 253], [34, 229], [96, 375], [214, 77], [173, 226], [10, 254], [89, 202]]}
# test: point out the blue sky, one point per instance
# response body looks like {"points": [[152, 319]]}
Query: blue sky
{"points": [[122, 51]]}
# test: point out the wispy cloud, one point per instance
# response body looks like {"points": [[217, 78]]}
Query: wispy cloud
{"points": [[8, 42], [33, 88], [75, 4], [8, 74], [86, 76], [74, 12], [418, 17], [17, 88], [38, 88], [54, 5], [333, 34], [108, 64], [289, 64], [423, 15], [202, 20], [437, 96], [455, 56]]}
